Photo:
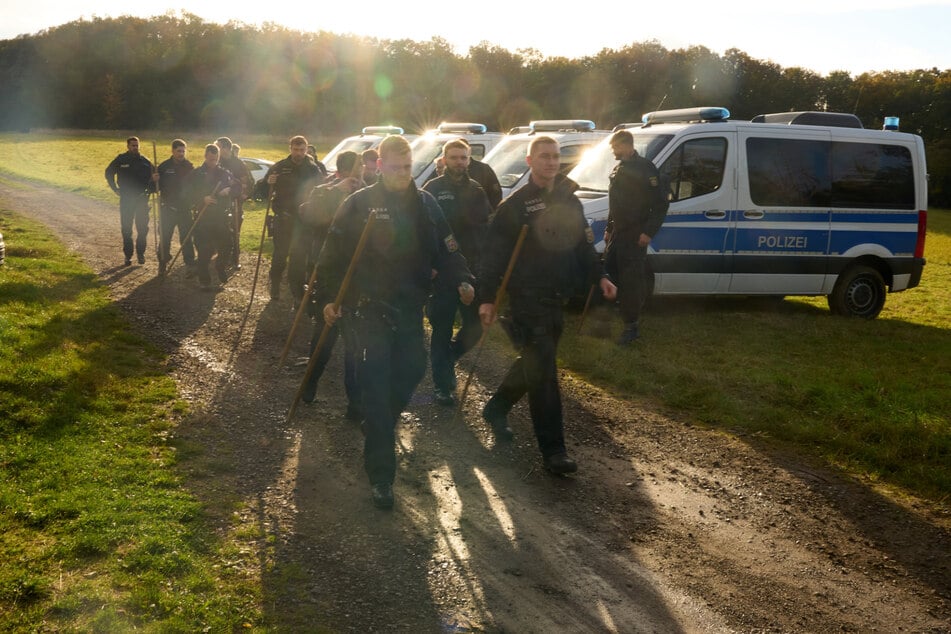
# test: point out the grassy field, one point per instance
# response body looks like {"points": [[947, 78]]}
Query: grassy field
{"points": [[97, 532], [871, 397], [90, 503]]}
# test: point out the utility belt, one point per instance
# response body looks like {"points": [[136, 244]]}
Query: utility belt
{"points": [[374, 309], [543, 296]]}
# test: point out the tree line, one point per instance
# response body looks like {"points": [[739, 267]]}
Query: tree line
{"points": [[178, 72]]}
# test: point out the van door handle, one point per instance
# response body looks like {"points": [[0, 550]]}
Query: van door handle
{"points": [[715, 214], [753, 214]]}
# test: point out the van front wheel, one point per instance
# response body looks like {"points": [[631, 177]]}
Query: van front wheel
{"points": [[859, 292]]}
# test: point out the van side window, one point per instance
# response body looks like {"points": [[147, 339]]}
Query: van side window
{"points": [[695, 168], [788, 172], [872, 176]]}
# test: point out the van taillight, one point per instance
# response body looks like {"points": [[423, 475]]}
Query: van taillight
{"points": [[922, 228]]}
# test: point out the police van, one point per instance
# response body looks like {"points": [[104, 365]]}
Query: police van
{"points": [[575, 136], [801, 203], [368, 139], [427, 147]]}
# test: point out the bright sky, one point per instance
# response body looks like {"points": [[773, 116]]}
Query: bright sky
{"points": [[822, 35]]}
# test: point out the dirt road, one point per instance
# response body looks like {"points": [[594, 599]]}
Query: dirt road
{"points": [[666, 527]]}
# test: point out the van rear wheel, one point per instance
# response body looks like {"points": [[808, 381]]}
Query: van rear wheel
{"points": [[859, 292]]}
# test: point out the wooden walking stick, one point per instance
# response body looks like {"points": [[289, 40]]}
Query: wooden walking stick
{"points": [[587, 304], [156, 210], [191, 229], [257, 267], [344, 286], [499, 295], [297, 317]]}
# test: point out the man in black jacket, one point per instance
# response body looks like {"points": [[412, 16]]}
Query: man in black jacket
{"points": [[293, 178], [408, 240], [467, 210], [172, 176], [637, 206], [210, 189], [130, 176], [559, 245]]}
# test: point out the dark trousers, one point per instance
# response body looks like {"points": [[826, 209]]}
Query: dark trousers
{"points": [[292, 243], [536, 328], [213, 235], [180, 219], [134, 211], [444, 348], [343, 327], [392, 361], [626, 262]]}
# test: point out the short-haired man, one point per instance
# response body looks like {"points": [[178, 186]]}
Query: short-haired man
{"points": [[371, 172], [293, 178], [467, 210], [210, 189], [229, 160], [130, 176], [408, 240], [559, 245], [637, 206], [172, 177]]}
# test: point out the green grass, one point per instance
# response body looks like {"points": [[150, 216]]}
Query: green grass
{"points": [[871, 397], [97, 532]]}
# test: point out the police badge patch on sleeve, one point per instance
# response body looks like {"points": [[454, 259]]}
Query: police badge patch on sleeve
{"points": [[451, 243], [653, 181], [589, 234]]}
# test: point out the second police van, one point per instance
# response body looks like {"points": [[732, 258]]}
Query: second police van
{"points": [[427, 147], [786, 204], [507, 160]]}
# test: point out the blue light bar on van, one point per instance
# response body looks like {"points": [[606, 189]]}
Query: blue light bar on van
{"points": [[462, 128], [558, 125], [382, 129], [686, 115], [891, 123]]}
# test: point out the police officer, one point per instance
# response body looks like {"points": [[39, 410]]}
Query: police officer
{"points": [[317, 215], [466, 208], [228, 159], [172, 177], [483, 174], [293, 179], [637, 206], [130, 176], [409, 239], [210, 190], [558, 246]]}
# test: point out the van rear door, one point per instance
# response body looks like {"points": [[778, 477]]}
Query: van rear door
{"points": [[689, 254], [780, 239]]}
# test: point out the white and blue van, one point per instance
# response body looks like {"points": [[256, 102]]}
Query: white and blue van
{"points": [[574, 136], [794, 203], [427, 147]]}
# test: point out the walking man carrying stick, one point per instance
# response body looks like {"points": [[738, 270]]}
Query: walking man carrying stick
{"points": [[409, 240], [559, 244]]}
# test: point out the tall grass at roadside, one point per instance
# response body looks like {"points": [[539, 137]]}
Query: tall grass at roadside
{"points": [[96, 531], [869, 396]]}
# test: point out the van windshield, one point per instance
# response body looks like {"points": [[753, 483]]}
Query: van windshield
{"points": [[507, 160], [594, 169], [425, 151], [357, 145]]}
